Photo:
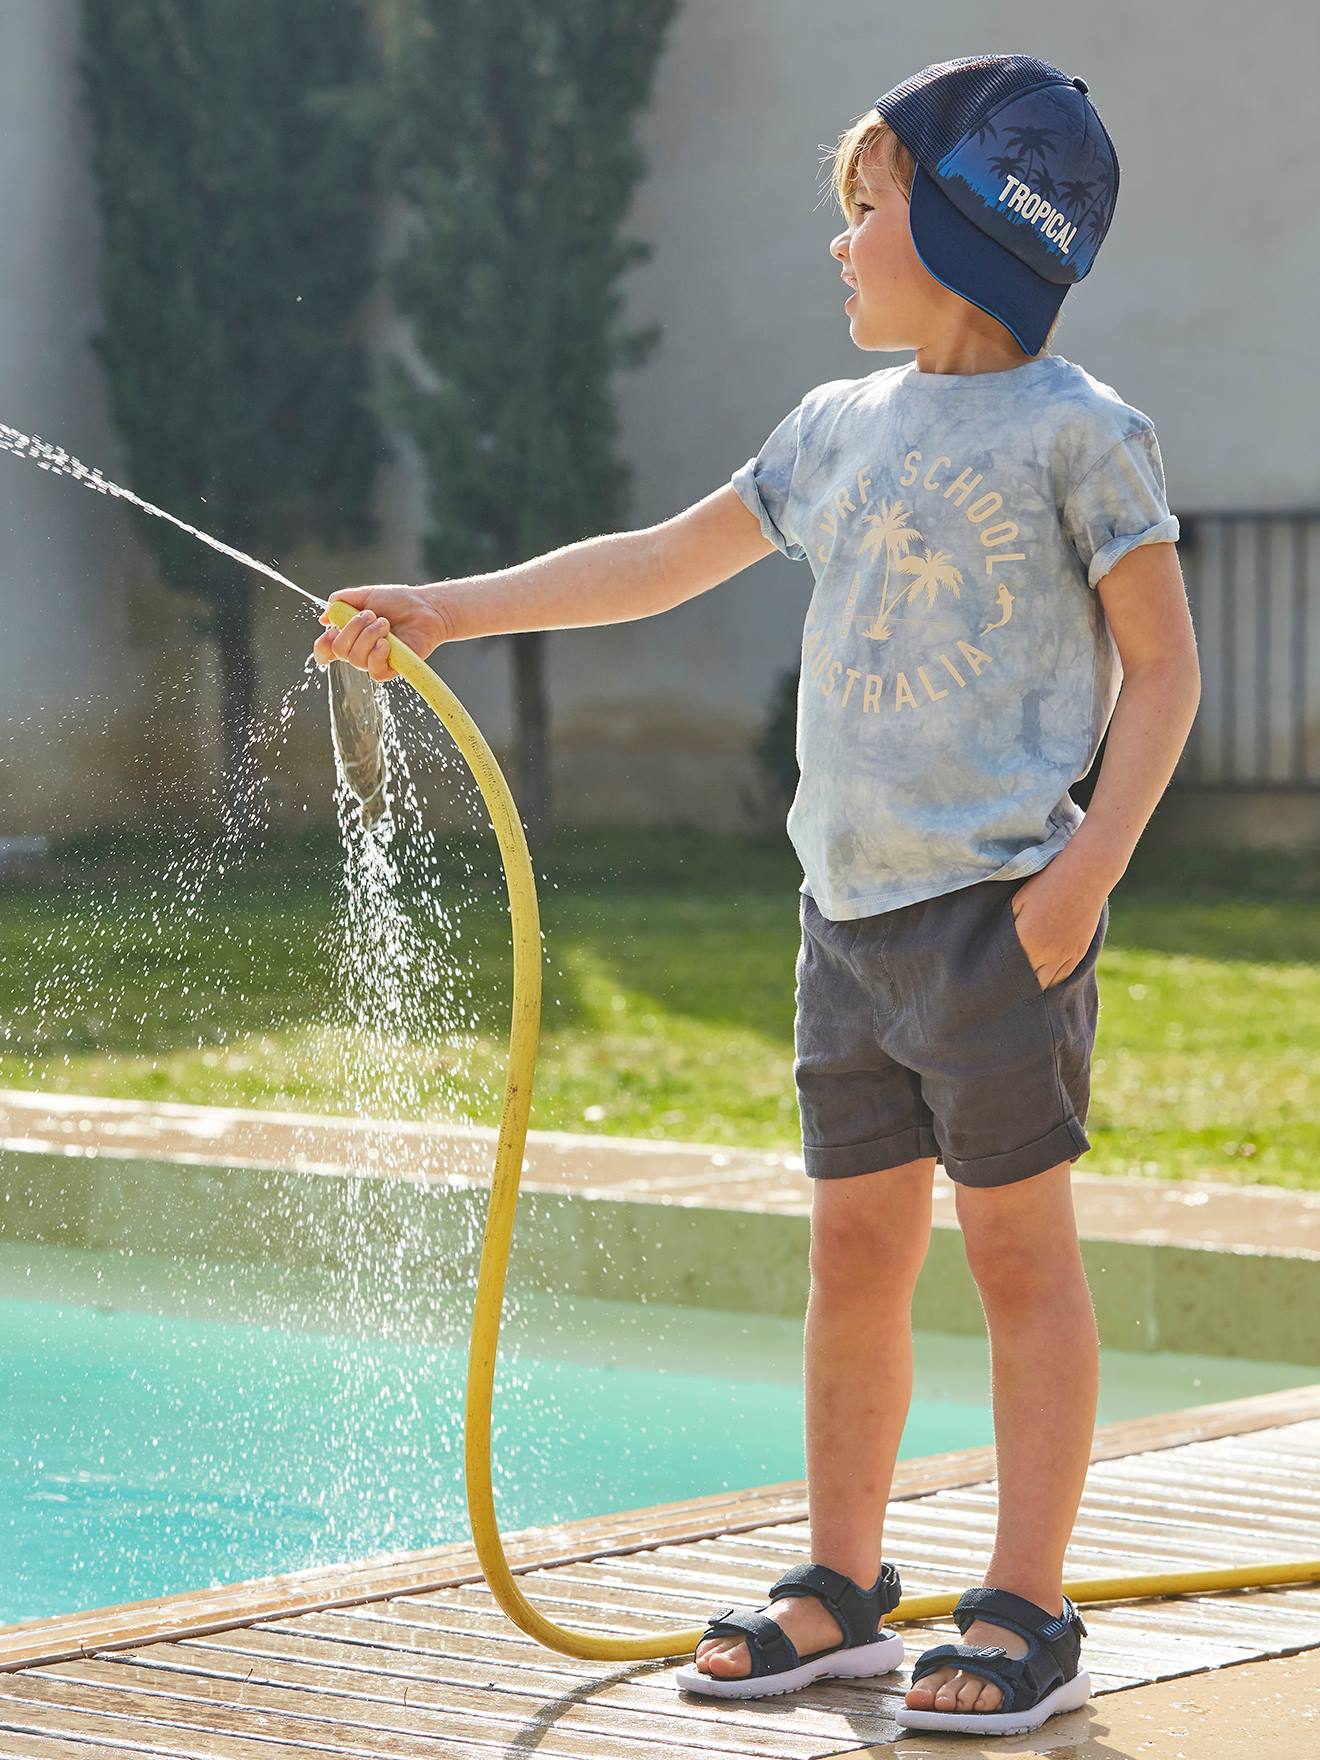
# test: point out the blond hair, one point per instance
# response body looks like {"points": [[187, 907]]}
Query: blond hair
{"points": [[870, 146]]}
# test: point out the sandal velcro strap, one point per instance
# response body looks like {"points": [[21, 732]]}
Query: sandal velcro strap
{"points": [[1053, 1647], [1060, 1634], [769, 1648], [857, 1610], [988, 1661]]}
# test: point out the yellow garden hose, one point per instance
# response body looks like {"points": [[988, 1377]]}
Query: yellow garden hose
{"points": [[523, 1039]]}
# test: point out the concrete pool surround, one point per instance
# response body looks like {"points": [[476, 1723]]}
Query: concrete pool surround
{"points": [[1179, 1266]]}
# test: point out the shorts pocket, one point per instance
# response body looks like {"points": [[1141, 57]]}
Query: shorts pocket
{"points": [[1017, 959]]}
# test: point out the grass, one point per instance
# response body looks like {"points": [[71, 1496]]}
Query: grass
{"points": [[667, 1007]]}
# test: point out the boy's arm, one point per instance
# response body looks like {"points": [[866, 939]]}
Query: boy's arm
{"points": [[1145, 604], [615, 578]]}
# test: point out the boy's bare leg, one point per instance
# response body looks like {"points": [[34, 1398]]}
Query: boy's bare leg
{"points": [[1022, 1247], [869, 1236]]}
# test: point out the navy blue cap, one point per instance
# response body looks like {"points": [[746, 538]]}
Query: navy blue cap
{"points": [[1015, 184]]}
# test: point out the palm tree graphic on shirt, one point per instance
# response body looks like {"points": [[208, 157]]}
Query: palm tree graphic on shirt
{"points": [[931, 571], [888, 531]]}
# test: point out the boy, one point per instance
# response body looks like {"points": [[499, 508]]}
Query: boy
{"points": [[989, 535]]}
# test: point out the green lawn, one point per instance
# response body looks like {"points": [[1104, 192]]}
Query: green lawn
{"points": [[142, 970]]}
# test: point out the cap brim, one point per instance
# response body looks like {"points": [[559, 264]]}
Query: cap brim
{"points": [[967, 262]]}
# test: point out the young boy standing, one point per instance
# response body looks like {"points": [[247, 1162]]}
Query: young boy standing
{"points": [[993, 557]]}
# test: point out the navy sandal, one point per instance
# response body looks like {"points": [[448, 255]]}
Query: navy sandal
{"points": [[1047, 1679], [868, 1648]]}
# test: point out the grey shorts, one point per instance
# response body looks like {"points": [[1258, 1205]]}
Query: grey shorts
{"points": [[925, 1031]]}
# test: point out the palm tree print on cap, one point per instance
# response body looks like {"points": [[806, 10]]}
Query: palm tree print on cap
{"points": [[1032, 141]]}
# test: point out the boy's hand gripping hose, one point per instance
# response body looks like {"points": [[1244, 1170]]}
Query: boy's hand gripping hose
{"points": [[523, 1037]]}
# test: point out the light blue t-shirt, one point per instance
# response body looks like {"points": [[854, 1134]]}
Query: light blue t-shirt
{"points": [[958, 671]]}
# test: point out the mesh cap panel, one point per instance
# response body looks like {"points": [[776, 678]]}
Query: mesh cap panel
{"points": [[930, 113]]}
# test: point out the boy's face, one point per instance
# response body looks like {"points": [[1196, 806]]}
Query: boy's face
{"points": [[898, 303]]}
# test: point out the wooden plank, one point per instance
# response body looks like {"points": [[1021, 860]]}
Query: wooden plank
{"points": [[464, 1634], [16, 1746], [616, 1712], [1221, 1458], [84, 1732], [1278, 1530], [412, 1723], [212, 1727], [1274, 1628], [1112, 1552], [340, 1725]]}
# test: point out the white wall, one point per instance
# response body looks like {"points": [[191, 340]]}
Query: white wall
{"points": [[80, 698]]}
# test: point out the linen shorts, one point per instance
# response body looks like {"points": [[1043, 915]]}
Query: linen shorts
{"points": [[925, 1031]]}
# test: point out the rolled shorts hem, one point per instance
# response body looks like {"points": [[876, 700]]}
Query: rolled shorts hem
{"points": [[847, 1160], [1064, 1143]]}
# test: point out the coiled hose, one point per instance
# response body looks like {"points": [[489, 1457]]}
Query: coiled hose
{"points": [[524, 1034]]}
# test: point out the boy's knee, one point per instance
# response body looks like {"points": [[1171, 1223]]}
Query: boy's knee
{"points": [[867, 1261], [1022, 1237], [875, 1234]]}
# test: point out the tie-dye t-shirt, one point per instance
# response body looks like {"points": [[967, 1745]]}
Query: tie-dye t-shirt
{"points": [[958, 671]]}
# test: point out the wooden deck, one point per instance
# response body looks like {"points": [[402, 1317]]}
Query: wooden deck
{"points": [[412, 1656]]}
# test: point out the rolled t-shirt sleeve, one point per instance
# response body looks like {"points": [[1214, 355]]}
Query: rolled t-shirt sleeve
{"points": [[1118, 504], [765, 485]]}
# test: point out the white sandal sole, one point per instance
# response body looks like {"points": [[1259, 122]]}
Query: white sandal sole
{"points": [[857, 1663], [1070, 1696]]}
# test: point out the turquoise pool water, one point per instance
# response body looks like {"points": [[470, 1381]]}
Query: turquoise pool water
{"points": [[171, 1425]]}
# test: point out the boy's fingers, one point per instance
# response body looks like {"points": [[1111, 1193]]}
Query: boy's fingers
{"points": [[359, 611], [324, 647], [350, 634], [353, 643]]}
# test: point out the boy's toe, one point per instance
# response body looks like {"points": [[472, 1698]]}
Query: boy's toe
{"points": [[975, 1694], [949, 1689], [921, 1696], [988, 1699], [726, 1663]]}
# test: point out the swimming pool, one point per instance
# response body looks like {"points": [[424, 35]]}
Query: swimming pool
{"points": [[171, 1424]]}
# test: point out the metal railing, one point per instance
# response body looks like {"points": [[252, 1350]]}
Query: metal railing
{"points": [[1253, 586]]}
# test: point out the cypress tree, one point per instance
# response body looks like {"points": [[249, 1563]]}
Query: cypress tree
{"points": [[236, 174], [512, 145]]}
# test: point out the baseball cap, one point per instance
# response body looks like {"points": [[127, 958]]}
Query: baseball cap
{"points": [[1015, 185]]}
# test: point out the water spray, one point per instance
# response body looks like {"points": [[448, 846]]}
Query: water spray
{"points": [[524, 1036], [55, 458]]}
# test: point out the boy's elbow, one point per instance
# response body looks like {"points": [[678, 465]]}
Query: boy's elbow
{"points": [[706, 544]]}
